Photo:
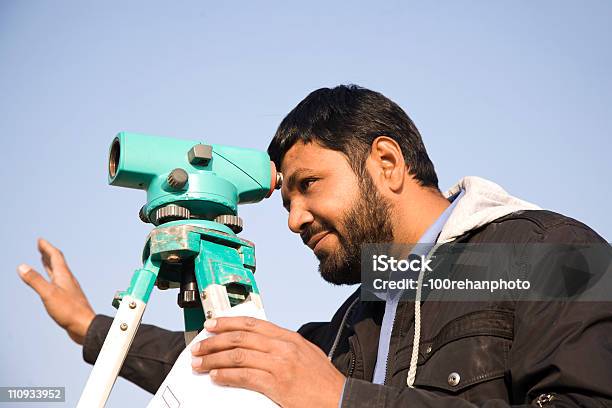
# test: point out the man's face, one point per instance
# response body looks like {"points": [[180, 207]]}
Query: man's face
{"points": [[332, 209]]}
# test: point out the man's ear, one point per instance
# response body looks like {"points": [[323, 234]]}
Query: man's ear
{"points": [[387, 163]]}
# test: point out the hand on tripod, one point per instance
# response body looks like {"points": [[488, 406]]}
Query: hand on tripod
{"points": [[62, 296]]}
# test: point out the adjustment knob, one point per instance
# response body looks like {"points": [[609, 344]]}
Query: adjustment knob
{"points": [[234, 222], [188, 298], [143, 215], [170, 213], [178, 178]]}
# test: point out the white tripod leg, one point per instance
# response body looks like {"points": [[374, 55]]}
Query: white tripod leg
{"points": [[113, 353], [214, 299]]}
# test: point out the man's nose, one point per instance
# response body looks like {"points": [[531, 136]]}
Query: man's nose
{"points": [[299, 218]]}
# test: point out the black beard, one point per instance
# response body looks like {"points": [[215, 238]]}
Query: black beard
{"points": [[368, 221]]}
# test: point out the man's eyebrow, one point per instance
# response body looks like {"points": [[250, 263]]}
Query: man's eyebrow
{"points": [[292, 179]]}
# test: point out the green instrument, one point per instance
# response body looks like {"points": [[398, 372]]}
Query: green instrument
{"points": [[193, 191]]}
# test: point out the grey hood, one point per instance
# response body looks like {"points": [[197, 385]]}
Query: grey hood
{"points": [[483, 201]]}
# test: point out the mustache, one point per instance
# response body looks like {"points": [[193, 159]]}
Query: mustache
{"points": [[314, 229]]}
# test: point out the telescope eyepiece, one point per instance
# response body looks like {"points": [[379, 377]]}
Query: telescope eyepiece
{"points": [[279, 180]]}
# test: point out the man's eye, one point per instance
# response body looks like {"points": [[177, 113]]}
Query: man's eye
{"points": [[306, 183]]}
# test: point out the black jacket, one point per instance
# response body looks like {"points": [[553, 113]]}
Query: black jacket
{"points": [[499, 354]]}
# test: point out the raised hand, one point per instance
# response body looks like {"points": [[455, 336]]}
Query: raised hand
{"points": [[62, 296]]}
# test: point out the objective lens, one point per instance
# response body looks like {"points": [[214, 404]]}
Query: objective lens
{"points": [[113, 159]]}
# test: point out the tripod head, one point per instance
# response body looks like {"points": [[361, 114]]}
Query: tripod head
{"points": [[187, 179]]}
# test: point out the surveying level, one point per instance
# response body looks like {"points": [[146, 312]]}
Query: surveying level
{"points": [[193, 191]]}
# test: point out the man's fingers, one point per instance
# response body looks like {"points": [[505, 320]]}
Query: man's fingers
{"points": [[237, 357], [249, 378], [230, 340], [34, 280], [52, 258], [250, 324]]}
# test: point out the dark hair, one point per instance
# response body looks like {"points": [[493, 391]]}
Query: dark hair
{"points": [[347, 119]]}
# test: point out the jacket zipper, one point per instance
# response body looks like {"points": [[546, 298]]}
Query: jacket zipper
{"points": [[330, 355], [353, 362]]}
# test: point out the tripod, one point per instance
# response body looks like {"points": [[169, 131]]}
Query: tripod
{"points": [[210, 264]]}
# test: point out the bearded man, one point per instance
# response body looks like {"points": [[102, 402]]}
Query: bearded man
{"points": [[356, 171]]}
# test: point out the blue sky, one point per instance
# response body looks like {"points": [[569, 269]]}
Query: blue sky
{"points": [[518, 92]]}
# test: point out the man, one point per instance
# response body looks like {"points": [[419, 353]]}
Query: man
{"points": [[356, 171]]}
